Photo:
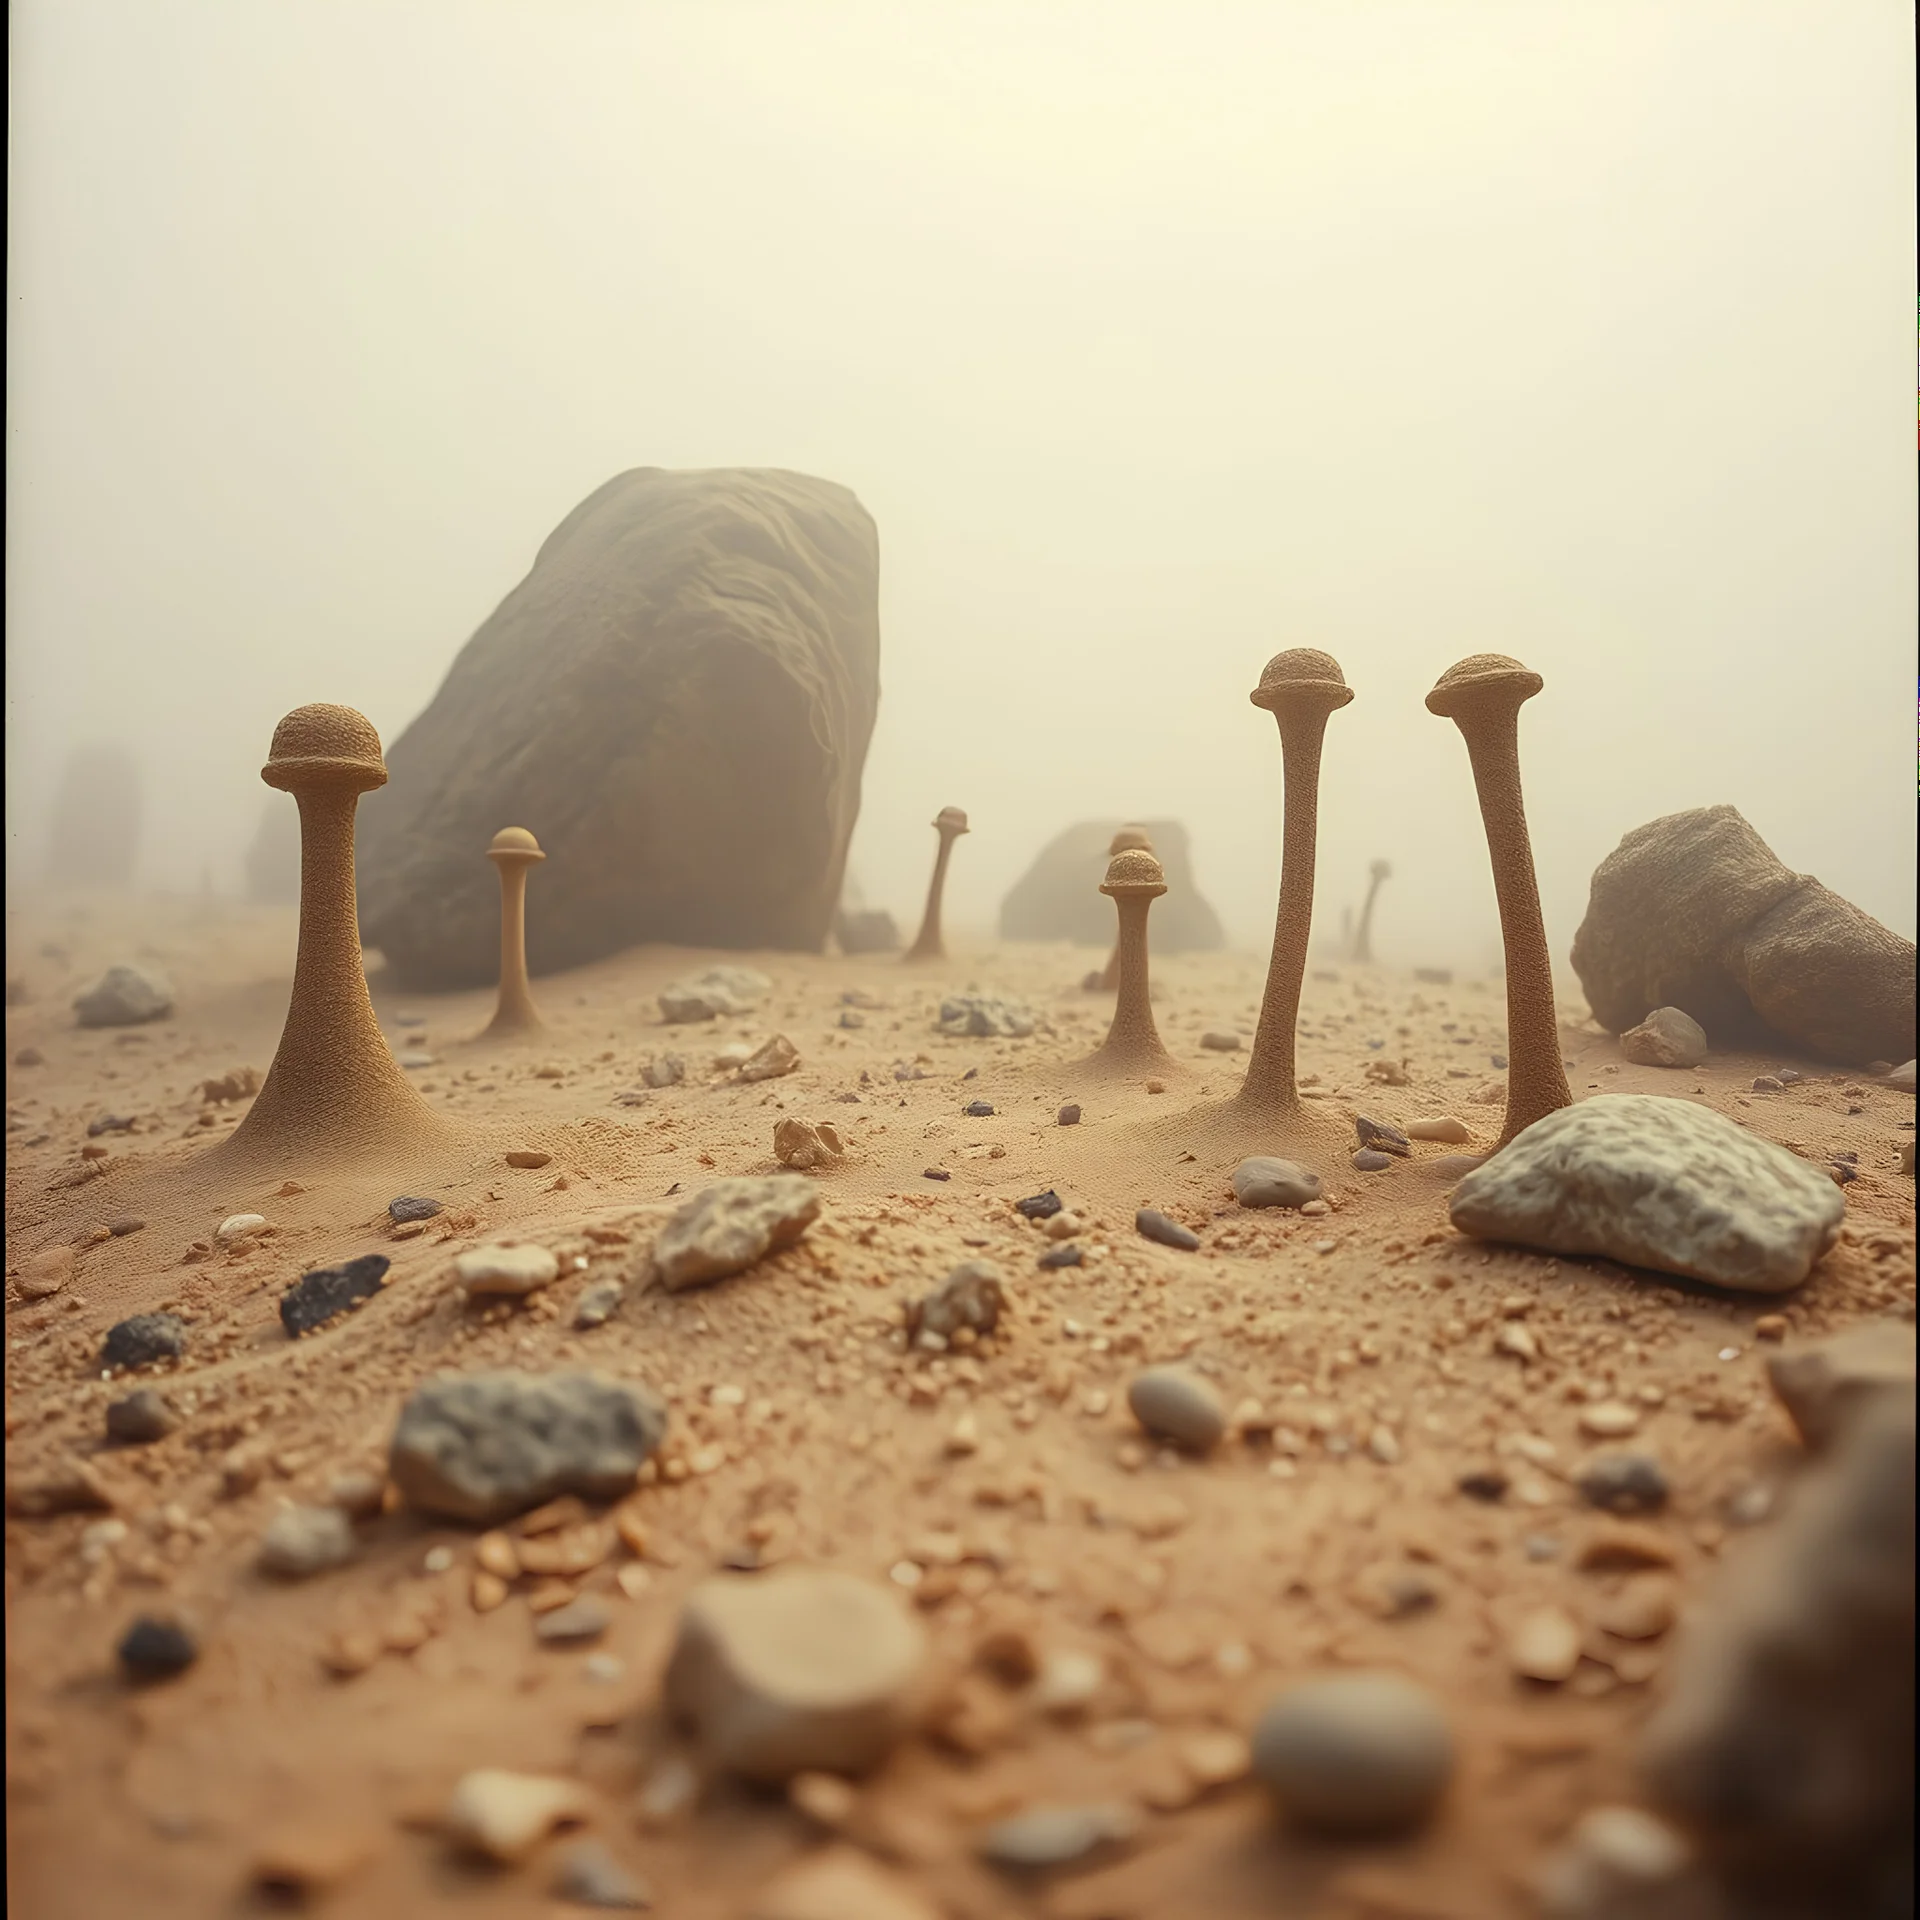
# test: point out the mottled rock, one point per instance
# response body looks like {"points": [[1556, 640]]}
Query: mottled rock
{"points": [[156, 1647], [1355, 1752], [971, 1017], [411, 1207], [507, 1267], [125, 997], [143, 1339], [1262, 1181], [486, 1446], [796, 1670], [1694, 911], [1042, 1838], [1177, 1404], [706, 996], [1665, 1038], [302, 1541], [237, 1227], [506, 1815], [1151, 1224], [141, 1418], [1624, 1483], [1656, 1183], [323, 1295], [973, 1295], [732, 1224], [1824, 1385]]}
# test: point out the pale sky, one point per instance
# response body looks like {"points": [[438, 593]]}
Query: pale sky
{"points": [[1155, 337]]}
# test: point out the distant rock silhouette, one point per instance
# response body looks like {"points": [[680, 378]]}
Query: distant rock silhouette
{"points": [[1059, 898], [273, 861], [95, 838], [676, 700]]}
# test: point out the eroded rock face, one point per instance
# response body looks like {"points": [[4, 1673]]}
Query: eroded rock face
{"points": [[1058, 897], [1658, 1183], [707, 642], [1695, 911], [1785, 1743]]}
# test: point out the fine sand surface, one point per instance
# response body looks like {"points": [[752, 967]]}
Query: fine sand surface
{"points": [[802, 1431]]}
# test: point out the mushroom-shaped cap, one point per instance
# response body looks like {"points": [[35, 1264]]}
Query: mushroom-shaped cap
{"points": [[1302, 678], [1482, 681], [325, 746], [1381, 870], [1134, 871], [512, 844], [1129, 840], [952, 820]]}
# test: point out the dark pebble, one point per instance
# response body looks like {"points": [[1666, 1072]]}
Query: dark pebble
{"points": [[936, 1173], [972, 1073], [142, 1416], [1499, 1060], [29, 1057], [977, 1109], [1852, 1159], [410, 1207], [584, 1619], [1370, 1160], [1063, 1256], [1151, 1224], [1381, 1136], [126, 1224], [1484, 1483], [155, 1649], [315, 1298], [145, 1338], [851, 1020], [1843, 1172], [1624, 1483], [1068, 1116], [1374, 1046], [1038, 1206], [110, 1123]]}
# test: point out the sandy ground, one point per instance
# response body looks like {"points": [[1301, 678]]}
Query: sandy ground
{"points": [[1332, 1534]]}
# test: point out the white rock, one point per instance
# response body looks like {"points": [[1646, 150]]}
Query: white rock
{"points": [[1667, 1037], [239, 1226], [801, 1669], [1659, 1183], [507, 1266], [730, 1225], [506, 1815]]}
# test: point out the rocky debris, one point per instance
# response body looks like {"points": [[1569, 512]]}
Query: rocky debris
{"points": [[969, 1017], [1177, 1404], [1058, 898], [1151, 1224], [1784, 1745], [1694, 911], [144, 1339], [1544, 1645], [1221, 1042], [709, 995], [1825, 1385], [1044, 1838], [770, 1060], [796, 1670], [505, 1816], [973, 1296], [1614, 1859], [1367, 1160], [506, 1267], [302, 1541], [1262, 1181], [579, 1621], [1656, 1183], [1906, 1158], [805, 1144], [156, 1647], [125, 997], [327, 1292], [411, 1207], [1624, 1483], [142, 1417], [530, 1159], [599, 1303], [45, 1273], [1665, 1038], [1069, 1116], [840, 1883], [730, 1225], [664, 1070], [587, 1875], [1355, 1752], [1381, 1136], [485, 1446], [1446, 1128], [241, 1083]]}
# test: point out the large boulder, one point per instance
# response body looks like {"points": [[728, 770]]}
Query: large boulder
{"points": [[676, 700], [1059, 897], [1695, 911]]}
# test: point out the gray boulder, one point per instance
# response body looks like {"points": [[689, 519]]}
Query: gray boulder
{"points": [[125, 997], [676, 700], [1695, 911], [1059, 897]]}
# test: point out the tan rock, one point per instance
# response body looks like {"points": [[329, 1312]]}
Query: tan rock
{"points": [[1643, 1609], [506, 1815], [840, 1884], [1824, 1386], [1545, 1645]]}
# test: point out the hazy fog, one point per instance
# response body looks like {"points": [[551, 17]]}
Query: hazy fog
{"points": [[1156, 338]]}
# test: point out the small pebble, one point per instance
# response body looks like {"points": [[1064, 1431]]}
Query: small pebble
{"points": [[1545, 1645], [1765, 1083], [935, 1173], [1262, 1181], [506, 1815], [411, 1207], [1624, 1483], [126, 1223], [238, 1226], [1039, 1206], [154, 1648], [143, 1339], [1355, 1752], [1483, 1483], [531, 1157], [977, 1109], [1644, 1608], [302, 1541], [143, 1416], [1063, 1226], [1221, 1042], [598, 1304], [46, 1273], [1044, 1837], [1367, 1160], [1151, 1224], [1068, 1116], [582, 1619], [1609, 1420], [1067, 1256], [589, 1876], [1177, 1404]]}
